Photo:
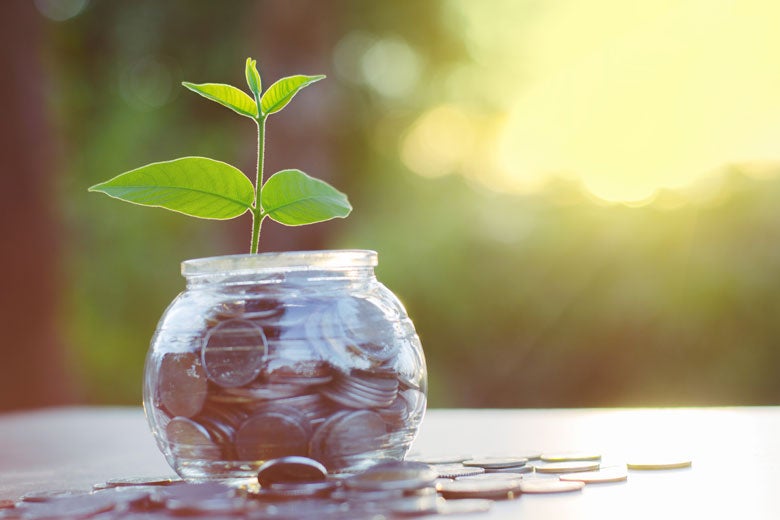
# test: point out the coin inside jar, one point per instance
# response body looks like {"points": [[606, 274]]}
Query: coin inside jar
{"points": [[190, 439], [183, 384], [292, 469], [234, 352], [272, 432]]}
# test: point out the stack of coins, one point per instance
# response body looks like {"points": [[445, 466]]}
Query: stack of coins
{"points": [[335, 380]]}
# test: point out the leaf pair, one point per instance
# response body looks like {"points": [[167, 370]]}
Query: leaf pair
{"points": [[273, 100], [206, 188]]}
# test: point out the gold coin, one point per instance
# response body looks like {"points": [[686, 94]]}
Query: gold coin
{"points": [[567, 456], [659, 463]]}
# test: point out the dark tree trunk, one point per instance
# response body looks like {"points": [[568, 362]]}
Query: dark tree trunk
{"points": [[32, 359]]}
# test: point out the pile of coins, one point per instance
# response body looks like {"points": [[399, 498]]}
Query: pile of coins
{"points": [[298, 487], [335, 380]]}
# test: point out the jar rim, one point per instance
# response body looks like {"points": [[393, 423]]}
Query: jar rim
{"points": [[291, 260]]}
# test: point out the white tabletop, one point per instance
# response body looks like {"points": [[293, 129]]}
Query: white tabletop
{"points": [[735, 454]]}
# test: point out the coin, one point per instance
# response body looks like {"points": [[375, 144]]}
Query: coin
{"points": [[366, 325], [234, 352], [517, 469], [608, 474], [142, 481], [569, 456], [439, 459], [187, 491], [82, 505], [567, 467], [182, 384], [659, 463], [45, 496], [346, 434], [493, 489], [191, 440], [284, 490], [495, 462], [403, 475], [492, 476], [289, 470], [271, 433], [549, 485], [455, 470]]}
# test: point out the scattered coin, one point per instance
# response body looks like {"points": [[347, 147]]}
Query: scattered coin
{"points": [[608, 474], [493, 476], [291, 469], [549, 485], [659, 463], [402, 475], [569, 456], [46, 496], [439, 459], [142, 481], [492, 489], [567, 467], [495, 462], [528, 468], [455, 470], [288, 490]]}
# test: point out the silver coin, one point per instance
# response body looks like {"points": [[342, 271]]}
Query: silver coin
{"points": [[403, 475], [142, 481], [266, 391], [234, 352], [182, 384], [455, 470], [84, 505], [272, 433], [299, 490], [209, 506], [439, 459], [492, 489], [368, 327], [567, 467], [191, 440], [517, 469], [293, 469], [185, 492], [495, 462], [45, 496], [493, 476], [345, 434]]}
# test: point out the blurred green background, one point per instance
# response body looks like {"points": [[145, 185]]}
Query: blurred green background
{"points": [[578, 206]]}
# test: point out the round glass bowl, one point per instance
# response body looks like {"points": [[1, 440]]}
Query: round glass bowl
{"points": [[276, 354]]}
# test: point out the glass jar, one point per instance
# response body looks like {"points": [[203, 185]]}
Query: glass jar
{"points": [[275, 354]]}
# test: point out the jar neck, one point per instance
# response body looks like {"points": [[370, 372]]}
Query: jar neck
{"points": [[274, 268]]}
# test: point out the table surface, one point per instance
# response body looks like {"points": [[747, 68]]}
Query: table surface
{"points": [[735, 454]]}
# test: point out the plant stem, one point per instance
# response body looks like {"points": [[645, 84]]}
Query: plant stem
{"points": [[257, 210]]}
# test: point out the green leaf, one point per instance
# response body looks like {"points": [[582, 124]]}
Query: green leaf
{"points": [[293, 198], [196, 186], [226, 95], [253, 77], [281, 92]]}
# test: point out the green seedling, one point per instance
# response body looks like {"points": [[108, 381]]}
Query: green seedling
{"points": [[211, 189]]}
